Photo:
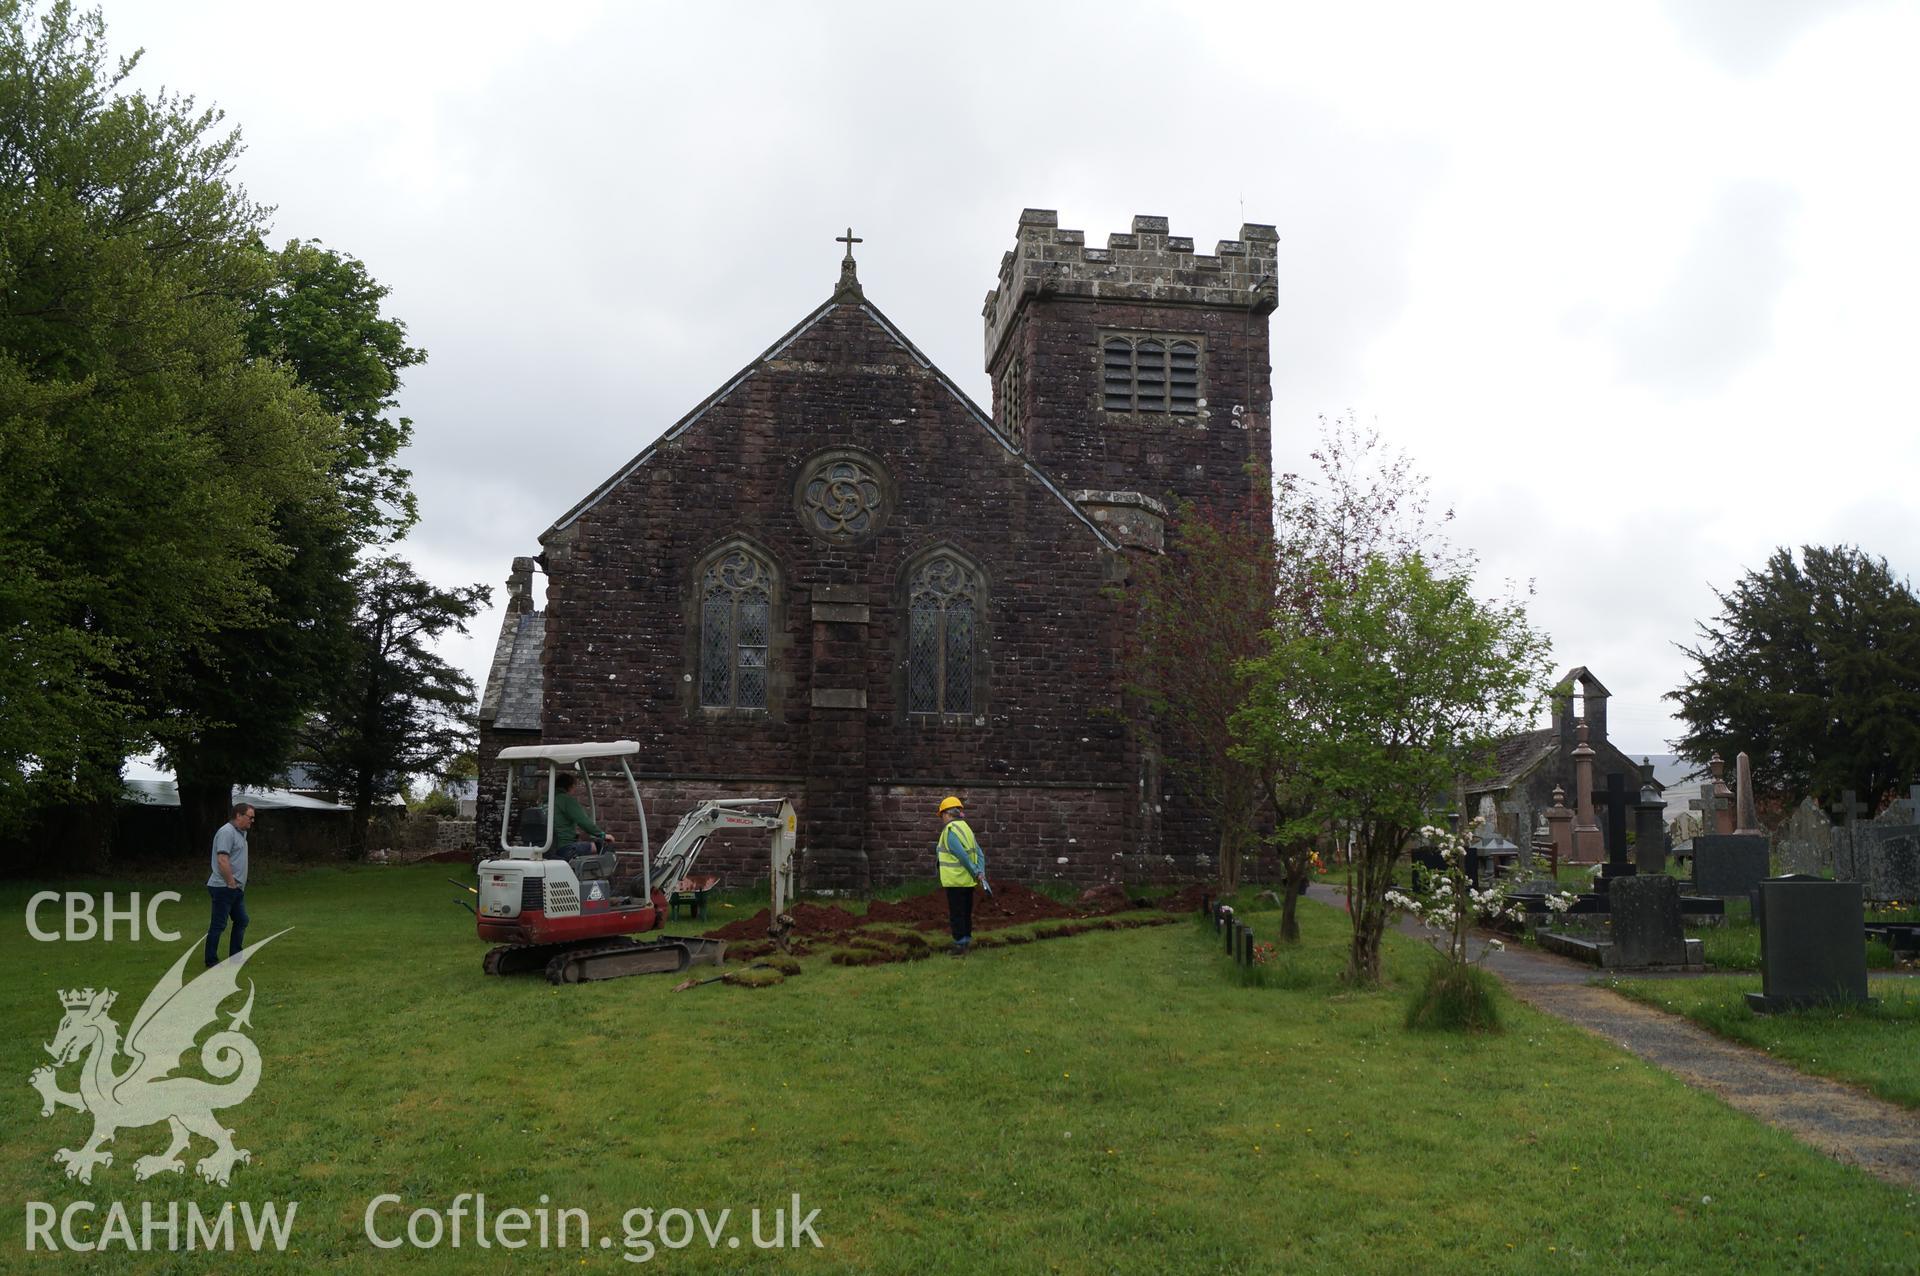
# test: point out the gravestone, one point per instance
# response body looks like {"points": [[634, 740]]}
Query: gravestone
{"points": [[1646, 925], [1520, 807], [1649, 829], [1706, 809], [1805, 842], [1728, 864], [1886, 860], [1813, 947], [1849, 808], [1748, 819], [1614, 799], [1722, 796]]}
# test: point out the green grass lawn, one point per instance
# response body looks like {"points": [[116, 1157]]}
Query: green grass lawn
{"points": [[1877, 1047], [1117, 1101], [1735, 944]]}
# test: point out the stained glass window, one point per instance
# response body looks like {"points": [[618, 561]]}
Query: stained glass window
{"points": [[736, 622], [944, 602]]}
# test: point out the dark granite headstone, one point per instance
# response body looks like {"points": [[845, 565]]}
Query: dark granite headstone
{"points": [[1729, 865], [1812, 944], [1647, 930]]}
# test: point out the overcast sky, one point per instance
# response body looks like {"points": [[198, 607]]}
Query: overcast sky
{"points": [[1635, 283]]}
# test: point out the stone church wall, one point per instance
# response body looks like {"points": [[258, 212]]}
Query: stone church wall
{"points": [[1046, 757], [624, 580]]}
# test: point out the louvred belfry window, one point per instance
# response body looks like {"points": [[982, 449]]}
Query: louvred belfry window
{"points": [[944, 602], [736, 621], [1150, 374]]}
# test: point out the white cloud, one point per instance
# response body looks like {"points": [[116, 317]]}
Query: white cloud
{"points": [[1633, 284]]}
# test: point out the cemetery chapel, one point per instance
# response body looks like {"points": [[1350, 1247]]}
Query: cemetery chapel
{"points": [[840, 581]]}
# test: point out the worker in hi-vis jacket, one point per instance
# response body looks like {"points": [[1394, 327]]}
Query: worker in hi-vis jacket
{"points": [[963, 865]]}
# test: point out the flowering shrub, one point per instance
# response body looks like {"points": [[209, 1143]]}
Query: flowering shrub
{"points": [[1451, 905]]}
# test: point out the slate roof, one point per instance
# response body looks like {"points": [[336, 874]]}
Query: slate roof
{"points": [[513, 697], [1514, 756]]}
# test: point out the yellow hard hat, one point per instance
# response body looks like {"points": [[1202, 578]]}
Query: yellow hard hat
{"points": [[949, 804]]}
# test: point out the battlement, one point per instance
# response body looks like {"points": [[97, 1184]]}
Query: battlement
{"points": [[1145, 265]]}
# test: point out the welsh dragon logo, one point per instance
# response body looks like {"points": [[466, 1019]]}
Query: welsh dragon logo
{"points": [[145, 1092]]}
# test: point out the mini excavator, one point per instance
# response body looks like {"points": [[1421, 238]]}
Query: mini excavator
{"points": [[578, 920]]}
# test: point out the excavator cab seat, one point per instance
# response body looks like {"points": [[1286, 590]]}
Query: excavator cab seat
{"points": [[599, 866]]}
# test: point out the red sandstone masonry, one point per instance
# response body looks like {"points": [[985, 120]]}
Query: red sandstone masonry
{"points": [[1049, 765]]}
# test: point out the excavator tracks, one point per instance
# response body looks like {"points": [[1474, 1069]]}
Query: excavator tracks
{"points": [[594, 960]]}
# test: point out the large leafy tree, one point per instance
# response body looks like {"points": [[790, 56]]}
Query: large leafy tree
{"points": [[1395, 681], [237, 711], [1362, 500], [147, 452], [1813, 668], [322, 315], [400, 711]]}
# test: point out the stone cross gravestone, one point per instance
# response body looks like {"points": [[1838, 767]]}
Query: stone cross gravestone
{"points": [[1706, 808], [1804, 842], [1728, 864], [1813, 947], [1644, 916], [1614, 798]]}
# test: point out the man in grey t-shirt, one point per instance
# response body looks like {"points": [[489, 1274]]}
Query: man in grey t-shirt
{"points": [[228, 884]]}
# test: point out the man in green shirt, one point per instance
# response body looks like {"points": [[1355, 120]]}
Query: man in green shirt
{"points": [[574, 831]]}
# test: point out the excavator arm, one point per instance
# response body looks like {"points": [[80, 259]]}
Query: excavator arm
{"points": [[681, 851]]}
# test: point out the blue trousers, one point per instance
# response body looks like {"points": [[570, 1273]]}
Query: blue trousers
{"points": [[228, 902]]}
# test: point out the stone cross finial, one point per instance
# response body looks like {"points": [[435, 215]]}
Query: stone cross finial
{"points": [[849, 288], [1849, 808]]}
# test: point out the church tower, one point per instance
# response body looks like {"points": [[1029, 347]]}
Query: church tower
{"points": [[1138, 371]]}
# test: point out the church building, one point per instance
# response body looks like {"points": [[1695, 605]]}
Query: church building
{"points": [[839, 580]]}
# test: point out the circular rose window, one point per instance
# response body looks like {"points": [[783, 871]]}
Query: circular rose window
{"points": [[842, 495]]}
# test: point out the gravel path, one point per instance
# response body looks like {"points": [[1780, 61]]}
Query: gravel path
{"points": [[1845, 1123]]}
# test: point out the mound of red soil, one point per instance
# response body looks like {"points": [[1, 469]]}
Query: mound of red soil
{"points": [[1187, 899], [823, 919], [808, 919], [1010, 905]]}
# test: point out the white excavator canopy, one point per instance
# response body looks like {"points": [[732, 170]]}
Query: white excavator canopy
{"points": [[567, 754]]}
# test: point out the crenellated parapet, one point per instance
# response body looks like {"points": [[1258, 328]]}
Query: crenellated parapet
{"points": [[1145, 265]]}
